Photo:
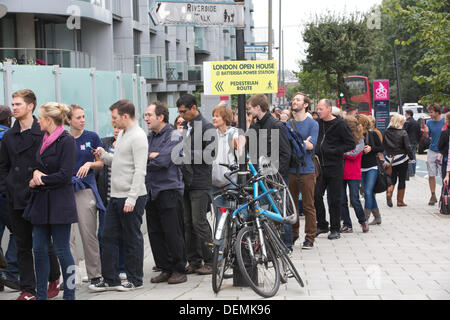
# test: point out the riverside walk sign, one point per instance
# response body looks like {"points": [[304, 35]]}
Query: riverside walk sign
{"points": [[221, 13], [240, 77]]}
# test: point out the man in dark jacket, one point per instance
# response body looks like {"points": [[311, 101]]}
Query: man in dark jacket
{"points": [[413, 128], [199, 137], [11, 272], [17, 162], [271, 132], [265, 126], [335, 138], [165, 189]]}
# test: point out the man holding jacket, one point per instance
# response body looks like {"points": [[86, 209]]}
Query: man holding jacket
{"points": [[335, 138]]}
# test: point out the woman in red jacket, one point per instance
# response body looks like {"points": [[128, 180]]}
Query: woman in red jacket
{"points": [[352, 178]]}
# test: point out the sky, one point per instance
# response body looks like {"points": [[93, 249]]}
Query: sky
{"points": [[294, 15]]}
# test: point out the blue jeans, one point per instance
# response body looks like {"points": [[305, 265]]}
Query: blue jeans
{"points": [[354, 200], [127, 225], [60, 233], [12, 272], [369, 178], [412, 166]]}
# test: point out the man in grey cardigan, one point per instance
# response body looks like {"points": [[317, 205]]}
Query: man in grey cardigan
{"points": [[127, 202]]}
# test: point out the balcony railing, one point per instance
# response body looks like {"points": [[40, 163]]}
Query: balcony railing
{"points": [[116, 7], [201, 43], [149, 66], [46, 56], [195, 73], [100, 3], [176, 71]]}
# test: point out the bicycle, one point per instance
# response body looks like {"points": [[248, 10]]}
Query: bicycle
{"points": [[255, 231]]}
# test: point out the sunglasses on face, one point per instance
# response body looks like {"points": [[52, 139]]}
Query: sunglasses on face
{"points": [[182, 111]]}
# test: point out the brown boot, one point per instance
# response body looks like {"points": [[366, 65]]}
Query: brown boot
{"points": [[377, 217], [400, 195], [367, 213], [389, 192]]}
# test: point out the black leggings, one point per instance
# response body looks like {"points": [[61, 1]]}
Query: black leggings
{"points": [[400, 171]]}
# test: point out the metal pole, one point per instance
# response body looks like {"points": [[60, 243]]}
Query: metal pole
{"points": [[280, 63], [270, 41], [282, 60], [398, 81], [238, 279]]}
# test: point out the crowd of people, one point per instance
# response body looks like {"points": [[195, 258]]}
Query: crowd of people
{"points": [[53, 180]]}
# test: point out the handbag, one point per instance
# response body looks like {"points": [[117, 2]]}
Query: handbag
{"points": [[388, 167], [383, 179], [443, 201]]}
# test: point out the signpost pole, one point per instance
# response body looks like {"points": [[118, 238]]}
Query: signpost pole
{"points": [[238, 279]]}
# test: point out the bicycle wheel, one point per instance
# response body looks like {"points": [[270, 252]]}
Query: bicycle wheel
{"points": [[261, 273], [282, 197], [288, 269], [221, 256]]}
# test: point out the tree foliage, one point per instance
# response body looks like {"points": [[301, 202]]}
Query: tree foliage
{"points": [[337, 45], [428, 24]]}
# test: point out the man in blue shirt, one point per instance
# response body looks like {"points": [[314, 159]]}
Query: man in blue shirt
{"points": [[165, 187], [433, 130], [309, 130]]}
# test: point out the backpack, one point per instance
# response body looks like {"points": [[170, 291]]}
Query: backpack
{"points": [[298, 150]]}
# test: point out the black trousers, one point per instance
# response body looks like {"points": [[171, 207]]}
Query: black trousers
{"points": [[120, 224], [401, 172], [166, 232], [331, 180], [23, 233], [197, 231]]}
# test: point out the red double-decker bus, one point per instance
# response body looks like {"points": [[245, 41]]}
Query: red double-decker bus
{"points": [[360, 91]]}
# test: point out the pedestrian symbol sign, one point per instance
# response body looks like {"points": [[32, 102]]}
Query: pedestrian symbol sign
{"points": [[240, 77]]}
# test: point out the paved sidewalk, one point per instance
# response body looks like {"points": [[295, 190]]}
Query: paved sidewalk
{"points": [[406, 257]]}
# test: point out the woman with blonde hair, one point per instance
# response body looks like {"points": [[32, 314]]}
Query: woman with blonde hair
{"points": [[352, 178], [398, 153], [52, 207], [369, 169]]}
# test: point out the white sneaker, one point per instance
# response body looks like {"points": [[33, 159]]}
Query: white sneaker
{"points": [[103, 286], [123, 276]]}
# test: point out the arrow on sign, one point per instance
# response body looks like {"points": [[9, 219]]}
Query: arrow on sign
{"points": [[219, 85]]}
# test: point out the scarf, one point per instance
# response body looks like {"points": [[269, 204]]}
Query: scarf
{"points": [[50, 138]]}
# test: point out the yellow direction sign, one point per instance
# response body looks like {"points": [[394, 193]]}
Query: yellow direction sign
{"points": [[240, 77]]}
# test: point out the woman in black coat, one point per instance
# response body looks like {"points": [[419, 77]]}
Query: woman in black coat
{"points": [[398, 153], [52, 208]]}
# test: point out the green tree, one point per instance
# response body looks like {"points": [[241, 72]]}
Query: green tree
{"points": [[428, 25], [315, 84], [337, 45]]}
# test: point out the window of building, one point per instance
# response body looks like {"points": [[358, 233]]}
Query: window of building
{"points": [[136, 10], [137, 42]]}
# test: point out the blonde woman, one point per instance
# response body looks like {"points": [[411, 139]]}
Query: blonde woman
{"points": [[369, 169], [52, 207], [398, 153]]}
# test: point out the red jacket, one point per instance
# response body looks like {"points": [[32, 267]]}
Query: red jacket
{"points": [[352, 164]]}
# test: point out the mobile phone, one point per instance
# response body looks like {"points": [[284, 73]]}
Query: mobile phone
{"points": [[90, 148]]}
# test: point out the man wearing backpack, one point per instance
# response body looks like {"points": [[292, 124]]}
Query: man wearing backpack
{"points": [[266, 125], [303, 178]]}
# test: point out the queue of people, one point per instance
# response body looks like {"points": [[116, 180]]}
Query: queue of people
{"points": [[53, 179]]}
